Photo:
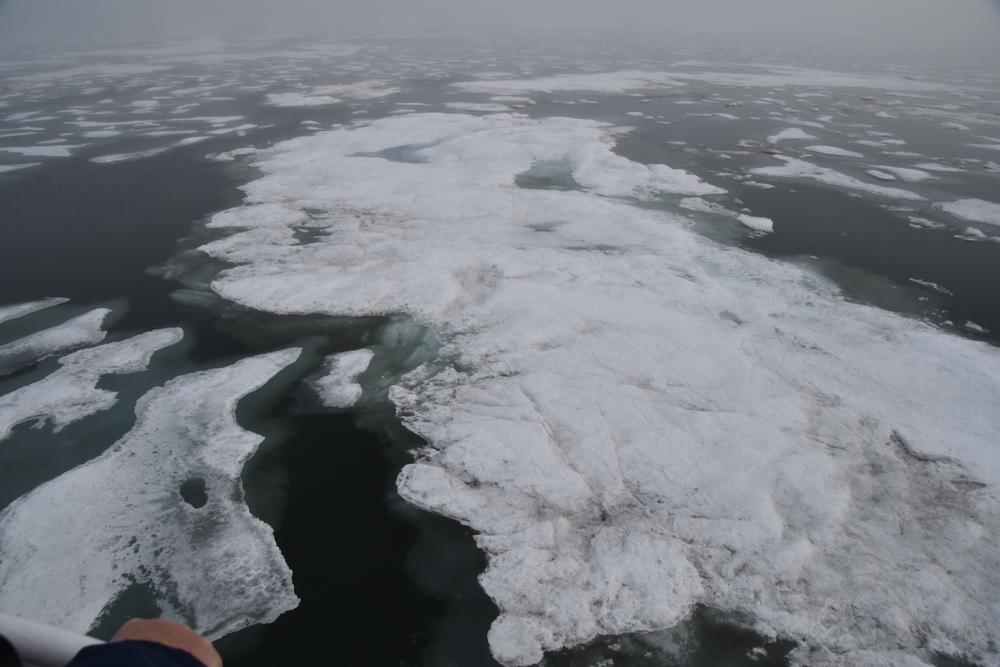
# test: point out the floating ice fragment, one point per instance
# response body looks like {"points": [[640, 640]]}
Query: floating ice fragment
{"points": [[880, 175], [71, 393], [973, 210], [789, 134], [85, 329], [71, 546], [4, 168], [21, 309], [795, 168], [338, 387], [756, 223], [833, 151]]}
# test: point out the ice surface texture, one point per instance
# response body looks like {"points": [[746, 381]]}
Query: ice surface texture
{"points": [[634, 419], [85, 329], [71, 546], [71, 393]]}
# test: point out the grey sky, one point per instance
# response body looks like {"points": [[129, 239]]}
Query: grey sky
{"points": [[929, 26]]}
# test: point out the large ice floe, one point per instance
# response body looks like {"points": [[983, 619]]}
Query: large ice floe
{"points": [[71, 392], [162, 509], [634, 419]]}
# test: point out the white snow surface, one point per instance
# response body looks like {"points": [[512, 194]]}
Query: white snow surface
{"points": [[120, 518], [973, 210], [636, 420], [17, 310], [833, 151], [338, 386], [86, 329], [71, 392], [756, 223], [795, 168], [790, 134]]}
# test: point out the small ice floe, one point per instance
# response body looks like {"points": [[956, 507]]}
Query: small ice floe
{"points": [[972, 210], [702, 206], [756, 223], [477, 106], [792, 133], [932, 286], [161, 508], [17, 310], [880, 175], [86, 329], [71, 393], [833, 151], [338, 386], [64, 150], [301, 100], [976, 328], [936, 166], [124, 157], [794, 168], [229, 156], [516, 100], [4, 168], [974, 234], [992, 147], [907, 174], [918, 222]]}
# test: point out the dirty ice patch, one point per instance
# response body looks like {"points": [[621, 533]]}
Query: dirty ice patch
{"points": [[795, 168], [71, 393], [973, 210], [71, 546], [789, 134], [833, 151], [86, 329], [16, 310], [337, 386], [634, 419]]}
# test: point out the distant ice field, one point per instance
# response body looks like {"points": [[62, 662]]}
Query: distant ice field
{"points": [[707, 333]]}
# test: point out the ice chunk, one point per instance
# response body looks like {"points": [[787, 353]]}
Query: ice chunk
{"points": [[473, 106], [795, 168], [338, 386], [64, 150], [4, 168], [71, 546], [755, 223], [937, 166], [790, 134], [634, 419], [85, 329], [71, 393], [973, 210], [301, 100], [880, 175], [21, 309], [906, 174], [124, 157], [833, 151]]}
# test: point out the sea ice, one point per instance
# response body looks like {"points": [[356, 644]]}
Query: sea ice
{"points": [[21, 309], [162, 508], [338, 386], [765, 225], [789, 134], [907, 174], [973, 210], [833, 151], [634, 419], [4, 168], [795, 168], [86, 329], [71, 392]]}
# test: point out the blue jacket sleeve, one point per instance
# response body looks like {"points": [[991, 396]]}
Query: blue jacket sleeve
{"points": [[133, 654]]}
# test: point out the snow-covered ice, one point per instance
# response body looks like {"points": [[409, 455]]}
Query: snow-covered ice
{"points": [[86, 329], [634, 419], [71, 392], [973, 210], [756, 223], [795, 168], [833, 151], [791, 133], [337, 387], [124, 518], [16, 310]]}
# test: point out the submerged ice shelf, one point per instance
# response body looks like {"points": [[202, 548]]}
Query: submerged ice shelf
{"points": [[636, 420]]}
